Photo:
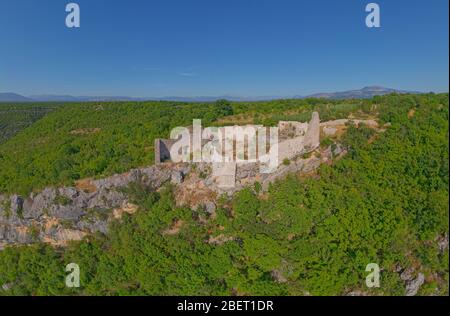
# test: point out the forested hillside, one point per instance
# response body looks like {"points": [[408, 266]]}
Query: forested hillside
{"points": [[99, 139], [86, 139], [386, 202]]}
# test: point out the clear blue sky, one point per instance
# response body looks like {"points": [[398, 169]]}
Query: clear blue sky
{"points": [[217, 47]]}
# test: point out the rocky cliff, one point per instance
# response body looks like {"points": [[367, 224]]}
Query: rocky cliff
{"points": [[57, 215]]}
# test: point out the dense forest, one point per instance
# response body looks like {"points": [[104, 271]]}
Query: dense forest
{"points": [[385, 202], [81, 140]]}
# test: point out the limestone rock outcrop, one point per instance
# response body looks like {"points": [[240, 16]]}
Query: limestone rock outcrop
{"points": [[57, 215]]}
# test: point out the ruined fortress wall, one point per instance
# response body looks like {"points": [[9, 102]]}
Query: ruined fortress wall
{"points": [[306, 139], [293, 147], [224, 174], [341, 122], [162, 149], [312, 137], [292, 128], [290, 148]]}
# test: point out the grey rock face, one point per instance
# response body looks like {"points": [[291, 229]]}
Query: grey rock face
{"points": [[66, 212], [11, 209], [407, 274], [338, 150], [12, 234], [71, 212], [247, 170], [156, 176], [312, 164], [119, 180], [36, 206], [327, 153], [73, 207], [7, 286], [16, 204], [210, 208], [176, 177], [442, 242], [413, 286], [92, 225], [105, 199], [278, 276]]}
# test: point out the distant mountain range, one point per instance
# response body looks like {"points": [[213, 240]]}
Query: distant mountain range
{"points": [[13, 97], [366, 92]]}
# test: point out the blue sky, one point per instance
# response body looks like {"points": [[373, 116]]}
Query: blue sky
{"points": [[217, 47]]}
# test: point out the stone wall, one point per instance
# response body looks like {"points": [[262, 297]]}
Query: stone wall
{"points": [[291, 129], [224, 175], [56, 214], [162, 149], [312, 137], [290, 148]]}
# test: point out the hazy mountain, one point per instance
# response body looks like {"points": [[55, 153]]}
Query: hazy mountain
{"points": [[366, 92], [215, 98], [13, 97], [53, 98], [70, 98]]}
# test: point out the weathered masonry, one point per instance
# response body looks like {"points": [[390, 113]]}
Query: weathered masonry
{"points": [[293, 139]]}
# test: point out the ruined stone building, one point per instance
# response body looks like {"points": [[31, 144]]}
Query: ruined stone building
{"points": [[250, 144], [59, 215]]}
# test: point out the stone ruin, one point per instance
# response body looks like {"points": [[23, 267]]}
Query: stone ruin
{"points": [[292, 139], [59, 215]]}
